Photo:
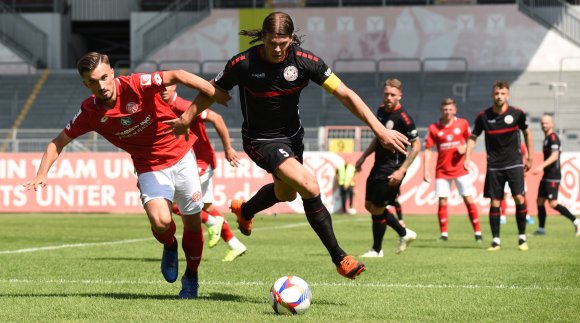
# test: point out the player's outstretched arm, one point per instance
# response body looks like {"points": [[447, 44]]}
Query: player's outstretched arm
{"points": [[180, 126], [530, 146], [426, 165], [195, 82], [53, 150], [387, 138], [222, 130], [370, 149], [468, 150]]}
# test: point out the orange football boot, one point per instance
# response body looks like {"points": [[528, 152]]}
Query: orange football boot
{"points": [[350, 267], [244, 225]]}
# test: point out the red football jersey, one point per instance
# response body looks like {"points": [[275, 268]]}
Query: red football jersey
{"points": [[202, 147], [134, 124], [448, 138]]}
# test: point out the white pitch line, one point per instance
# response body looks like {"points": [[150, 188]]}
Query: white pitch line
{"points": [[260, 283], [108, 243]]}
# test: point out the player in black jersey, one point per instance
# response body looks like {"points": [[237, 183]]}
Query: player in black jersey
{"points": [[270, 77], [502, 124], [390, 166], [550, 182]]}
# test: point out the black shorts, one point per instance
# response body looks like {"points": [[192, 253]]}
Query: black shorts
{"points": [[548, 190], [379, 192], [270, 154], [495, 182]]}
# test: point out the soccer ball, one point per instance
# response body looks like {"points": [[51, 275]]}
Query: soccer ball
{"points": [[290, 295]]}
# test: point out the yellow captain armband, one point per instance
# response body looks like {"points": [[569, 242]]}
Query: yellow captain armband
{"points": [[331, 83]]}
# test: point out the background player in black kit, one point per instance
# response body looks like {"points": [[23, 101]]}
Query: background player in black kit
{"points": [[390, 166], [502, 124], [550, 182], [270, 77]]}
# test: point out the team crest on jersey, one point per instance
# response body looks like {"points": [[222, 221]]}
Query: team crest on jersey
{"points": [[390, 124], [104, 119], [456, 131], [508, 119], [196, 196], [132, 107], [145, 79], [126, 121], [290, 73]]}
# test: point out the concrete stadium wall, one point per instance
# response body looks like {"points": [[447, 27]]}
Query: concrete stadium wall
{"points": [[491, 37]]}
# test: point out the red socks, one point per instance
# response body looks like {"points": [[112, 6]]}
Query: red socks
{"points": [[443, 217], [192, 245], [167, 237]]}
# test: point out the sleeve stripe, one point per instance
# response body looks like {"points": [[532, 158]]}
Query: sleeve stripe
{"points": [[331, 83]]}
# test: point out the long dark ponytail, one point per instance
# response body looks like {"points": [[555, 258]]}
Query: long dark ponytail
{"points": [[278, 23]]}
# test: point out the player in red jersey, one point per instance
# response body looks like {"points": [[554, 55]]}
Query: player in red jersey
{"points": [[450, 135], [206, 163], [127, 112], [270, 77]]}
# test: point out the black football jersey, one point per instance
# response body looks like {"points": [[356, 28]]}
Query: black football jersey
{"points": [[502, 136], [269, 93], [552, 143], [387, 160]]}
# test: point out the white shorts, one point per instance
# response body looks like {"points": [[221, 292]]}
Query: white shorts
{"points": [[178, 183], [207, 185], [463, 183]]}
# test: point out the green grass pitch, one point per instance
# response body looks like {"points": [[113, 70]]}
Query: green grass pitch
{"points": [[105, 268]]}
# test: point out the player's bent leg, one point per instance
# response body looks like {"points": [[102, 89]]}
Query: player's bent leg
{"points": [[192, 244], [163, 228], [299, 179]]}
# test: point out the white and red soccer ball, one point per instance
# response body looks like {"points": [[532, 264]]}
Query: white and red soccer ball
{"points": [[290, 295]]}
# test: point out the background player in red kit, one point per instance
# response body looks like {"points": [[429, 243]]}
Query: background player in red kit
{"points": [[270, 77], [127, 112], [206, 163], [450, 135], [502, 124]]}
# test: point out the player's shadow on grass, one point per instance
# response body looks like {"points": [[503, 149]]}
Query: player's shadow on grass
{"points": [[445, 245], [101, 295], [139, 259]]}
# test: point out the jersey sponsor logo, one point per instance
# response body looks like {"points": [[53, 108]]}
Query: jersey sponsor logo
{"points": [[104, 119], [157, 79], [456, 131], [219, 76], [508, 119], [390, 124], [145, 79], [138, 128], [132, 107], [76, 116], [328, 72], [290, 73], [259, 76], [126, 121]]}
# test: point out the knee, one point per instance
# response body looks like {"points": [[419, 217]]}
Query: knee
{"points": [[442, 202], [371, 208], [553, 203], [286, 196], [161, 224], [519, 199]]}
